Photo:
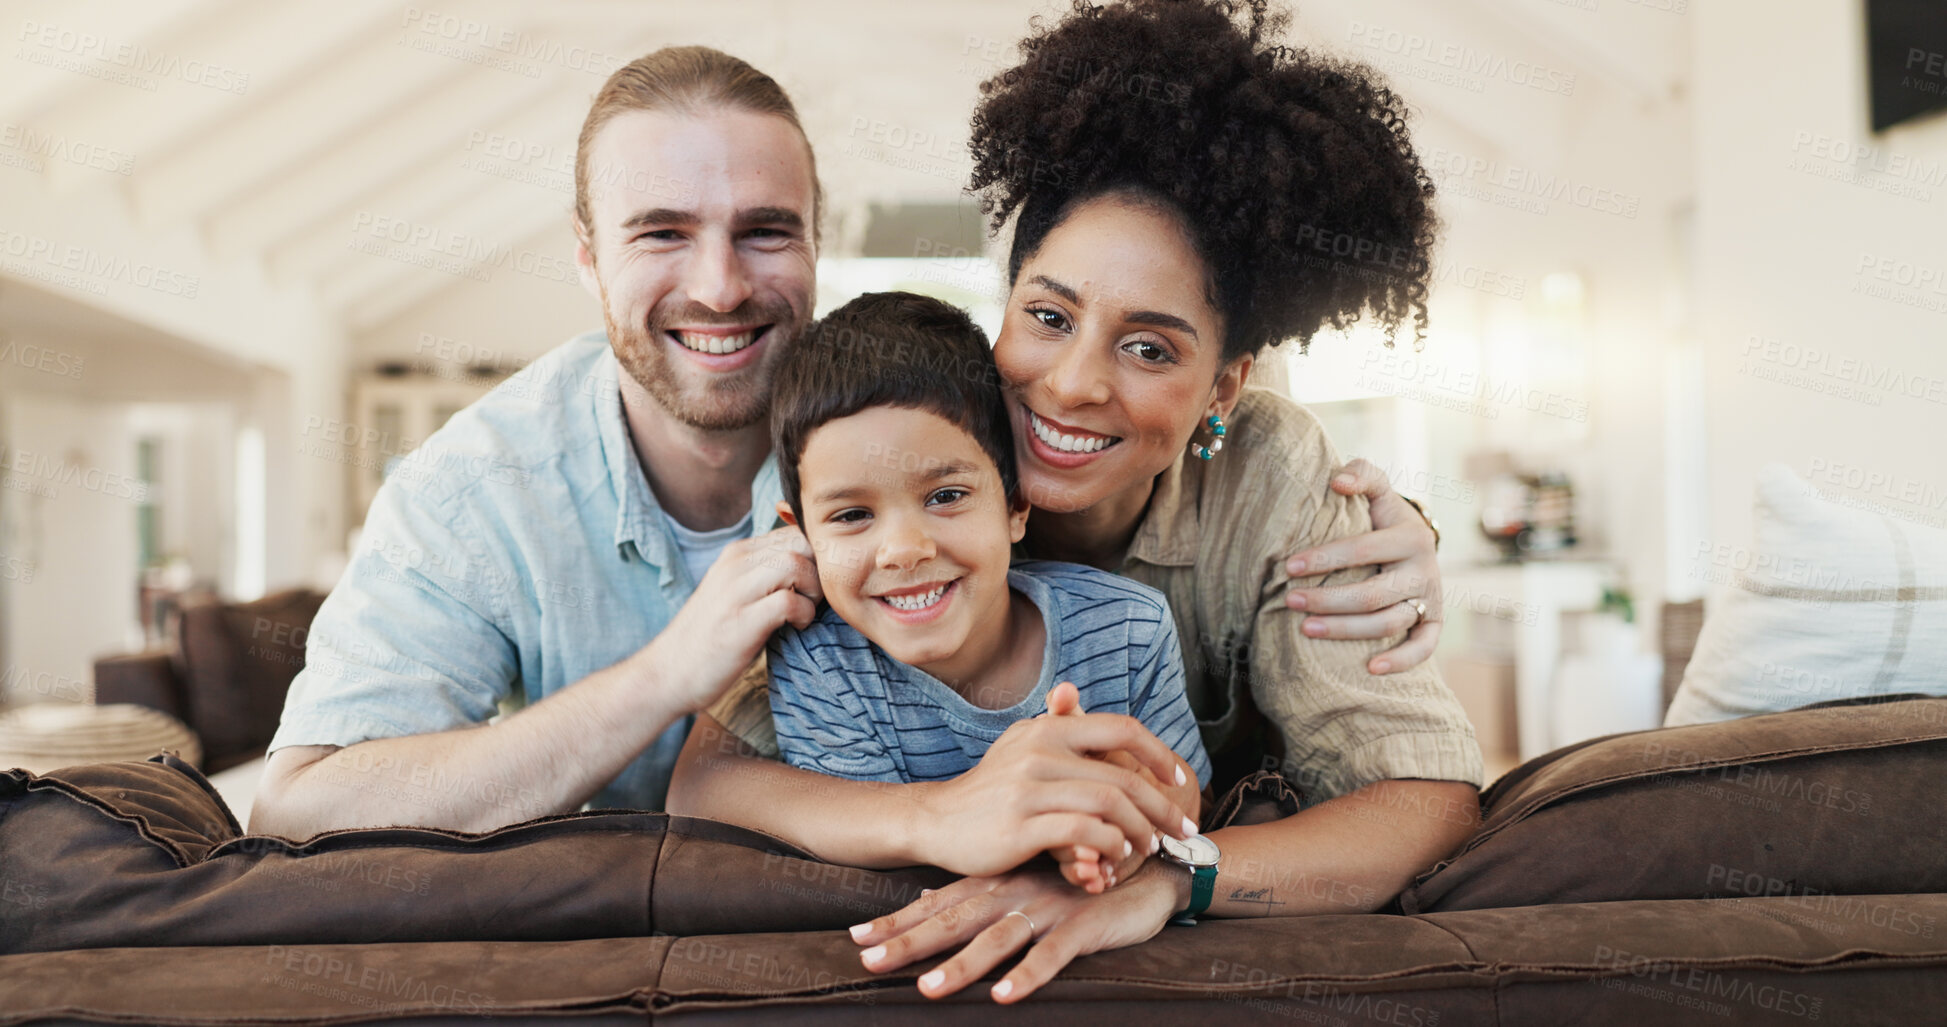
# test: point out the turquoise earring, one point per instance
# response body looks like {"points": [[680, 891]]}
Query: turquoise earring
{"points": [[1216, 425]]}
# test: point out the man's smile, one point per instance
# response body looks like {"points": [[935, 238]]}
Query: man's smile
{"points": [[720, 347], [718, 340]]}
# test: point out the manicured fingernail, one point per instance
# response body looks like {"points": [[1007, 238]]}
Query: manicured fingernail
{"points": [[859, 931], [1295, 565], [1295, 600], [1179, 774], [1127, 848], [1344, 479], [1003, 989], [933, 980], [1381, 667], [1314, 628], [873, 954], [1155, 842], [1189, 827]]}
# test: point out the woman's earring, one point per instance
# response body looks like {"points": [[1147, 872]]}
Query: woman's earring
{"points": [[1216, 425]]}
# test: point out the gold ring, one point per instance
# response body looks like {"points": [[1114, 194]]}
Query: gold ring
{"points": [[1419, 610]]}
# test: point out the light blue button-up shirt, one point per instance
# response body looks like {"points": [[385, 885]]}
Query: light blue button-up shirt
{"points": [[518, 547]]}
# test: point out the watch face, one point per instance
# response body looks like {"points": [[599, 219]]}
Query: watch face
{"points": [[1196, 850]]}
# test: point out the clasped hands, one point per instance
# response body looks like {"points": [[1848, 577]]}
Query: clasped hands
{"points": [[1085, 788]]}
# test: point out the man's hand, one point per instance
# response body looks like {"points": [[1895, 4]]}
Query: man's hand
{"points": [[1401, 545], [756, 586]]}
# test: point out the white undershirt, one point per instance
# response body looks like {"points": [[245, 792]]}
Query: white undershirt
{"points": [[700, 548]]}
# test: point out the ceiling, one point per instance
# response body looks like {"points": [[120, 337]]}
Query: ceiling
{"points": [[283, 146]]}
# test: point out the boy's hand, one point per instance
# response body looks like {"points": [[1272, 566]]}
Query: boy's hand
{"points": [[1081, 866], [1088, 868]]}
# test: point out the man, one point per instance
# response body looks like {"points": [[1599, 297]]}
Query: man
{"points": [[617, 489], [582, 507]]}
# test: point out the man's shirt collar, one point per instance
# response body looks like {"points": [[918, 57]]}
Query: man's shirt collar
{"points": [[639, 524]]}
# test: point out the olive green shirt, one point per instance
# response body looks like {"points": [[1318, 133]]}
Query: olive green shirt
{"points": [[1214, 540]]}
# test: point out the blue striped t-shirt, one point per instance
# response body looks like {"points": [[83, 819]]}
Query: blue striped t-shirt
{"points": [[843, 707]]}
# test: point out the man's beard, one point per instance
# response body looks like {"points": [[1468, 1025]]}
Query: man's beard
{"points": [[722, 402]]}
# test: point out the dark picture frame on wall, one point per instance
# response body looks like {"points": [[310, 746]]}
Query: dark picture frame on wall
{"points": [[1906, 59]]}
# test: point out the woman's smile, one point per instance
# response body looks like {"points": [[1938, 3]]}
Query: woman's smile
{"points": [[1064, 445]]}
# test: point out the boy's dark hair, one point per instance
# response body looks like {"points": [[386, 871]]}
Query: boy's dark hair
{"points": [[889, 349]]}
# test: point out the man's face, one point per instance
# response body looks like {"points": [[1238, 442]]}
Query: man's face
{"points": [[701, 253]]}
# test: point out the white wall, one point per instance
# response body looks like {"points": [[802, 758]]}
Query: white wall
{"points": [[67, 526], [78, 388], [1779, 252], [1613, 129]]}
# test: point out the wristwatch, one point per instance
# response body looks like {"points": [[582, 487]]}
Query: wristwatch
{"points": [[1197, 854]]}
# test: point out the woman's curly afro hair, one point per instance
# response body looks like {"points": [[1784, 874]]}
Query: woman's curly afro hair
{"points": [[1291, 171]]}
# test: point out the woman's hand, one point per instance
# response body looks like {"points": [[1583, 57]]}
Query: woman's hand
{"points": [[1401, 545], [1040, 788], [1055, 919]]}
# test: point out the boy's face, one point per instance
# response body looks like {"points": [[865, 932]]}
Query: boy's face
{"points": [[912, 530]]}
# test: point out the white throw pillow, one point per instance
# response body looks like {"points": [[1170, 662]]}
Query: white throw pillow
{"points": [[1834, 601]]}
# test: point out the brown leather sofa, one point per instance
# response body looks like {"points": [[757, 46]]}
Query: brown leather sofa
{"points": [[1779, 869], [224, 670]]}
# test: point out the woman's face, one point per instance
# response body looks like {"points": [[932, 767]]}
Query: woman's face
{"points": [[1109, 351]]}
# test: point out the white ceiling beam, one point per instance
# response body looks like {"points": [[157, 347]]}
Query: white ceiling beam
{"points": [[417, 134], [460, 240], [230, 60], [436, 182], [50, 62], [537, 243], [330, 242], [355, 90]]}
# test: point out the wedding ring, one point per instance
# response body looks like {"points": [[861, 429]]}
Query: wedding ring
{"points": [[1419, 610], [1032, 931]]}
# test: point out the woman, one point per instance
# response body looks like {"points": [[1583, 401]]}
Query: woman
{"points": [[1170, 176]]}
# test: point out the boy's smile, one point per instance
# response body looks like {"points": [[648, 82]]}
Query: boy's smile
{"points": [[919, 604], [912, 531]]}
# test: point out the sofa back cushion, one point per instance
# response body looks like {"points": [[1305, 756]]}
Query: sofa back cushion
{"points": [[146, 854], [1836, 799]]}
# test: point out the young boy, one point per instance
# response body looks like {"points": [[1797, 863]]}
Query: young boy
{"points": [[897, 462]]}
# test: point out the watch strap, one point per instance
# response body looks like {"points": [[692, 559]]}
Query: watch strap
{"points": [[1203, 884], [1203, 887]]}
